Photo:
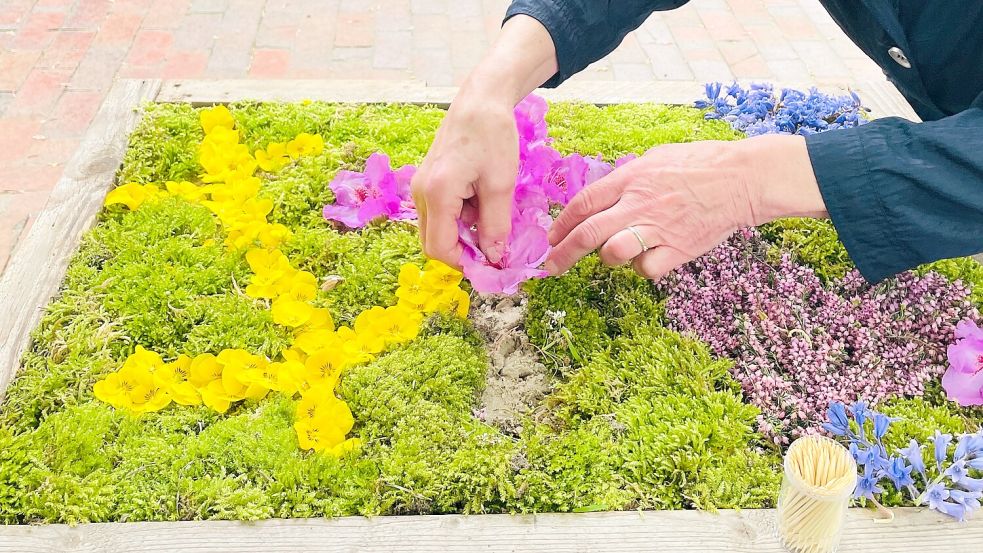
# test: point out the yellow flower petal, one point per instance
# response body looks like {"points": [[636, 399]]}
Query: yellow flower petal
{"points": [[292, 313], [216, 117]]}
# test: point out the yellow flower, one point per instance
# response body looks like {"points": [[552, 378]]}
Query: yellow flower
{"points": [[299, 286], [285, 376], [440, 276], [186, 190], [271, 270], [238, 368], [223, 162], [323, 367], [271, 235], [176, 376], [320, 319], [216, 117], [368, 326], [235, 191], [132, 195], [289, 312], [399, 325], [323, 420], [268, 262], [462, 303], [356, 348], [216, 397], [149, 395], [315, 339], [305, 144], [115, 389], [145, 359], [204, 370], [221, 137], [273, 158], [452, 298], [411, 288]]}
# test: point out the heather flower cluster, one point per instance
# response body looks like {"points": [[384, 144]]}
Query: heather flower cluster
{"points": [[545, 177], [963, 381], [799, 345], [946, 483], [758, 110]]}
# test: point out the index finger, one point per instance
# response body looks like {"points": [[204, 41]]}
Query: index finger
{"points": [[442, 212], [591, 200]]}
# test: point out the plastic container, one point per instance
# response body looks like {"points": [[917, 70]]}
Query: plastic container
{"points": [[819, 478]]}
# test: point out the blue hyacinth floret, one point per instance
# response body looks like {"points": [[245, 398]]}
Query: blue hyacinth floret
{"points": [[946, 483], [757, 110]]}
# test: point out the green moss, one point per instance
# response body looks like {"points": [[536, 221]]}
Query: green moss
{"points": [[444, 370], [572, 317], [164, 146], [614, 131], [368, 263], [815, 243]]}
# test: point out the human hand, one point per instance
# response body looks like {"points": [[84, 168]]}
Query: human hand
{"points": [[469, 171], [684, 199]]}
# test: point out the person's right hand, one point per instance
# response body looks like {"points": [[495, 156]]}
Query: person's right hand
{"points": [[469, 174]]}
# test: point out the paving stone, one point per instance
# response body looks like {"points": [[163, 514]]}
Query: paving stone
{"points": [[209, 6], [269, 63], [634, 72], [15, 66]]}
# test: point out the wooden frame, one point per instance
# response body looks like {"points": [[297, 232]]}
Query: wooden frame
{"points": [[38, 265]]}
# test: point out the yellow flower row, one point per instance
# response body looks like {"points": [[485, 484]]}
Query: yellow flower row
{"points": [[319, 352]]}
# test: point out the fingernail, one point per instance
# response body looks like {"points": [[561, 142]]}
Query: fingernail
{"points": [[551, 268], [494, 252]]}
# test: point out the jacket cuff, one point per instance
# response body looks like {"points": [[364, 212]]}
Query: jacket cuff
{"points": [[855, 202]]}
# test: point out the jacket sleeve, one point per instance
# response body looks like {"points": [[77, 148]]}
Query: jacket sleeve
{"points": [[584, 31], [900, 193]]}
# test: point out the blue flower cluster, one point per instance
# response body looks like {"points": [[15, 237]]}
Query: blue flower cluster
{"points": [[945, 485], [757, 110]]}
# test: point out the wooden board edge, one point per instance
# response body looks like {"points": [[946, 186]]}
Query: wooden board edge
{"points": [[881, 97], [38, 263], [913, 529]]}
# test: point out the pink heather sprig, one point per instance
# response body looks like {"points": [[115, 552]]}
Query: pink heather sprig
{"points": [[799, 345]]}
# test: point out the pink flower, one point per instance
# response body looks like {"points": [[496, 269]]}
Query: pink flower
{"points": [[525, 251], [570, 175], [963, 380], [530, 120], [379, 191], [624, 159]]}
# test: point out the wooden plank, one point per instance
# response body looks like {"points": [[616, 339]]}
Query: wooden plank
{"points": [[615, 532], [38, 264], [881, 97]]}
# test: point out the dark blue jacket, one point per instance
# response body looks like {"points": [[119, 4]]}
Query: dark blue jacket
{"points": [[899, 193]]}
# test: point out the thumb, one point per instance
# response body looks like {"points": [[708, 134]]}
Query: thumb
{"points": [[495, 215]]}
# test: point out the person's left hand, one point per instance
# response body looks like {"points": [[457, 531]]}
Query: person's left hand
{"points": [[682, 200]]}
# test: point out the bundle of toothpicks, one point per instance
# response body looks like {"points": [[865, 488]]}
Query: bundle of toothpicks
{"points": [[819, 479]]}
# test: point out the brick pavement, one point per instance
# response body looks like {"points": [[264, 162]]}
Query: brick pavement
{"points": [[58, 58]]}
